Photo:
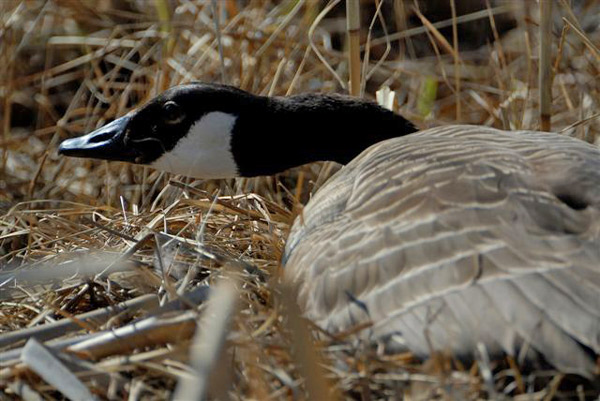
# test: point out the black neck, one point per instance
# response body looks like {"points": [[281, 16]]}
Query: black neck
{"points": [[295, 130]]}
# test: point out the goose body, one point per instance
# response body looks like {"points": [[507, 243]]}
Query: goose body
{"points": [[459, 235], [442, 239]]}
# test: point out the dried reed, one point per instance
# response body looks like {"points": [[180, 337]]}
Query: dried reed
{"points": [[109, 265]]}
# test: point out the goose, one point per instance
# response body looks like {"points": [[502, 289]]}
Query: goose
{"points": [[443, 239]]}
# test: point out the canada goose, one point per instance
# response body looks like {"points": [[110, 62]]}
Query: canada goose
{"points": [[444, 238]]}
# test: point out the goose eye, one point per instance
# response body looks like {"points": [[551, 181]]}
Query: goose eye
{"points": [[172, 113]]}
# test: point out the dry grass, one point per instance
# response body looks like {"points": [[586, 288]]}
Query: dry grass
{"points": [[108, 263]]}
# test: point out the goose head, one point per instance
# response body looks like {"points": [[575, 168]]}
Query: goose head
{"points": [[218, 131]]}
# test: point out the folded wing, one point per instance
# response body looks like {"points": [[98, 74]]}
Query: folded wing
{"points": [[459, 235]]}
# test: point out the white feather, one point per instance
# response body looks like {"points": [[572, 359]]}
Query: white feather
{"points": [[205, 152]]}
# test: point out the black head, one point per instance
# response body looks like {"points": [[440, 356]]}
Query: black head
{"points": [[148, 133], [218, 131]]}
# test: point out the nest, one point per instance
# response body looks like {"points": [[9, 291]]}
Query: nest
{"points": [[122, 282]]}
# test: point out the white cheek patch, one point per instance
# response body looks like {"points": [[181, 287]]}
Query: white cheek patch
{"points": [[205, 152]]}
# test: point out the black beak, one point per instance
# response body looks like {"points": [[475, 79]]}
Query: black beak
{"points": [[106, 143]]}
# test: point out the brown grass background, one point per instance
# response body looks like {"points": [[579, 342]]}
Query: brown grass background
{"points": [[81, 236]]}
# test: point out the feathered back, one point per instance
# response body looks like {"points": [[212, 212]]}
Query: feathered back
{"points": [[458, 235]]}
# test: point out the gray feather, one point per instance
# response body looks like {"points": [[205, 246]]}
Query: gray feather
{"points": [[458, 235]]}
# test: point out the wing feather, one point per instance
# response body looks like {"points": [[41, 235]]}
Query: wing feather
{"points": [[459, 235]]}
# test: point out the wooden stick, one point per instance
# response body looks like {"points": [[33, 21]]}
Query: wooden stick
{"points": [[456, 60], [206, 352], [61, 327], [353, 27], [40, 360], [545, 72], [304, 352], [152, 331]]}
